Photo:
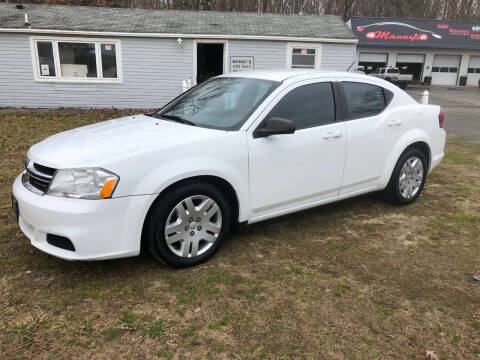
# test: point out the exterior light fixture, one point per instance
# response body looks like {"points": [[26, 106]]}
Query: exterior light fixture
{"points": [[179, 43]]}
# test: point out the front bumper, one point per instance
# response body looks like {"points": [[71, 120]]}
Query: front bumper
{"points": [[98, 229]]}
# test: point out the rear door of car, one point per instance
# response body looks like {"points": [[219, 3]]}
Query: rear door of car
{"points": [[371, 130]]}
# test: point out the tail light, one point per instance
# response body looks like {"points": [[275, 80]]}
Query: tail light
{"points": [[441, 119]]}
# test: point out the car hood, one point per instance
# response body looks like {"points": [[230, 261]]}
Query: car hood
{"points": [[107, 141]]}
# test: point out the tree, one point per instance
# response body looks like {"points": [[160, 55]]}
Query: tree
{"points": [[428, 9]]}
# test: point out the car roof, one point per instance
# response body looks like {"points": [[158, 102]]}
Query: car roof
{"points": [[282, 75], [292, 76]]}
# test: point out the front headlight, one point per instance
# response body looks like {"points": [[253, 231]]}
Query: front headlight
{"points": [[89, 183]]}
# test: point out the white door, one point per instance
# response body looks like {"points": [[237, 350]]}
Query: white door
{"points": [[410, 58], [473, 75], [297, 170], [445, 69], [372, 131], [373, 57], [369, 62]]}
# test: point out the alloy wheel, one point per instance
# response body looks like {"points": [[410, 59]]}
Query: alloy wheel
{"points": [[411, 177], [192, 226]]}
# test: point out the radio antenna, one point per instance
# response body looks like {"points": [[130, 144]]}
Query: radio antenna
{"points": [[354, 61]]}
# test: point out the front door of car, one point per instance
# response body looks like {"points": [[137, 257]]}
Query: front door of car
{"points": [[296, 170], [372, 131]]}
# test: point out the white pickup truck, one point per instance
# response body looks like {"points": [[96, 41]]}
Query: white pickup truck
{"points": [[393, 75]]}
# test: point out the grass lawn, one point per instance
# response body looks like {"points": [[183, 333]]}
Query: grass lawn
{"points": [[359, 279]]}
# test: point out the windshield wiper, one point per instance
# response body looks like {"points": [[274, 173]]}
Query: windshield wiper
{"points": [[176, 118]]}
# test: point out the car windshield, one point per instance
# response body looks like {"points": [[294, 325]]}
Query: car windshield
{"points": [[220, 103], [393, 71]]}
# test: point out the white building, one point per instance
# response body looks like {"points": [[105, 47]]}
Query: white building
{"points": [[79, 56], [446, 51]]}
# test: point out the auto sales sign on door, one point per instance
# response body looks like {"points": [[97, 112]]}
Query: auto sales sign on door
{"points": [[416, 32]]}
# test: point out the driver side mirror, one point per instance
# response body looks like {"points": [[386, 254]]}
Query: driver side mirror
{"points": [[274, 126]]}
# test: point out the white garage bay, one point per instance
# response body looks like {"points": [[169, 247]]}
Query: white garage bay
{"points": [[445, 69], [474, 71]]}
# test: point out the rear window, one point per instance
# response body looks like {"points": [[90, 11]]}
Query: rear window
{"points": [[393, 71]]}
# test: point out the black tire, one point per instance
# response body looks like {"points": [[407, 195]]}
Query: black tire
{"points": [[156, 222], [392, 191]]}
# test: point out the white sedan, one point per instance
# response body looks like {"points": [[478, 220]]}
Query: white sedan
{"points": [[239, 148]]}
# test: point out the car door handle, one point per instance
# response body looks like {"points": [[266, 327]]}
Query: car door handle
{"points": [[332, 134], [395, 122]]}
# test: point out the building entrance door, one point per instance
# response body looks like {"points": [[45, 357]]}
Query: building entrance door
{"points": [[210, 60]]}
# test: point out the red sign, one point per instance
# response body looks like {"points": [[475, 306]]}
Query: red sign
{"points": [[387, 35], [458, 32]]}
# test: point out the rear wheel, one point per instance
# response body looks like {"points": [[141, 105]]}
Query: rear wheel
{"points": [[188, 224], [408, 177]]}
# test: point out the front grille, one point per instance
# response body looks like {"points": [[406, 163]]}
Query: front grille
{"points": [[44, 169], [37, 178]]}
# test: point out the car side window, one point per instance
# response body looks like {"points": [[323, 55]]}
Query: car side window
{"points": [[364, 100], [388, 96], [307, 106]]}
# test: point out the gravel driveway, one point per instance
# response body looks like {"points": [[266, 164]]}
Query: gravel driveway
{"points": [[461, 107]]}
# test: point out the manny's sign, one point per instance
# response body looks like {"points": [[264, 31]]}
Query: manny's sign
{"points": [[416, 32]]}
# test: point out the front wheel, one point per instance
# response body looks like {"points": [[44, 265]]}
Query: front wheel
{"points": [[188, 225], [408, 178]]}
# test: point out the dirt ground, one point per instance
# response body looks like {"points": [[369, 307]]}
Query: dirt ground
{"points": [[359, 279]]}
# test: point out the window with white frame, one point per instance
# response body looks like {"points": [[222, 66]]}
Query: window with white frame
{"points": [[303, 55], [66, 59], [303, 58]]}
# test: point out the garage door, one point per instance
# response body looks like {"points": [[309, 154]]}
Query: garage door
{"points": [[445, 69], [410, 58], [373, 57], [473, 76], [411, 64]]}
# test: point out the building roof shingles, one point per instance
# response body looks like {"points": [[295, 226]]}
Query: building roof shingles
{"points": [[83, 18]]}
